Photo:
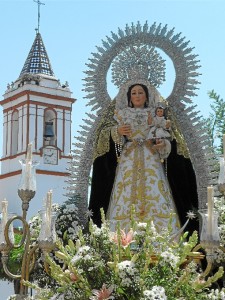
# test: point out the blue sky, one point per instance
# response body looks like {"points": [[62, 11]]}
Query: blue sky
{"points": [[71, 30]]}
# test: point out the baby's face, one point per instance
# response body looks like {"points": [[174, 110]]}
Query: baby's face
{"points": [[159, 112]]}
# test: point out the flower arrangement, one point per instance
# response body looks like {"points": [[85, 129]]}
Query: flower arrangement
{"points": [[140, 264], [66, 228]]}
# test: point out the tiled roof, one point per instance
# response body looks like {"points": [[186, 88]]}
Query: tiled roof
{"points": [[37, 61]]}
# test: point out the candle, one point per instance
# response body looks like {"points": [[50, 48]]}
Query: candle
{"points": [[29, 152], [28, 175], [48, 213], [4, 220], [210, 200], [28, 167]]}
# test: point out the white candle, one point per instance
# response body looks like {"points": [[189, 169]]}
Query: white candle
{"points": [[28, 168], [210, 199], [4, 220], [48, 213], [28, 175], [29, 152]]}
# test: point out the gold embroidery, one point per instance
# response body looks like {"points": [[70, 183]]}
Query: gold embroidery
{"points": [[176, 134], [103, 131], [140, 180]]}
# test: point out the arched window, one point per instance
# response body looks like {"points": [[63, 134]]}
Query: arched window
{"points": [[14, 131], [49, 127]]}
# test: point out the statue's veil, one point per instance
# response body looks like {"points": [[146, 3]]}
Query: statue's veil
{"points": [[131, 55]]}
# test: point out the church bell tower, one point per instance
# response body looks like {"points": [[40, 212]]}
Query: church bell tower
{"points": [[36, 109]]}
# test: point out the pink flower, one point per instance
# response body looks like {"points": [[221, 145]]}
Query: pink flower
{"points": [[102, 294], [125, 239], [72, 276]]}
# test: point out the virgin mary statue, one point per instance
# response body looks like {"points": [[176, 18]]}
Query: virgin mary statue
{"points": [[136, 173], [128, 169]]}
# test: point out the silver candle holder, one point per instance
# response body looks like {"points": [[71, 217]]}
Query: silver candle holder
{"points": [[26, 191]]}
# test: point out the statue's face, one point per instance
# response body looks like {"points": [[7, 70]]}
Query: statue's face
{"points": [[159, 112], [138, 96]]}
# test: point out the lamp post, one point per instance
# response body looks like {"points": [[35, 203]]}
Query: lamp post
{"points": [[26, 191]]}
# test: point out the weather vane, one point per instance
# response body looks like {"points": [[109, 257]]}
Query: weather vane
{"points": [[39, 3]]}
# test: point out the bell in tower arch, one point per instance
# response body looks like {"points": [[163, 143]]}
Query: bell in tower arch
{"points": [[49, 132], [49, 135]]}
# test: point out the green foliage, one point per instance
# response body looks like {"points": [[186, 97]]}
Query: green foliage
{"points": [[14, 261], [128, 265], [215, 123]]}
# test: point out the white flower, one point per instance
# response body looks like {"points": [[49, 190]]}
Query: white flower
{"points": [[217, 294], [83, 250], [82, 253], [156, 293], [12, 297], [87, 257], [153, 229], [125, 265], [57, 297], [128, 273], [170, 258], [96, 230], [142, 226]]}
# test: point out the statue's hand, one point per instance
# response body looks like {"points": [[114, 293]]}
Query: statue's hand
{"points": [[124, 130], [160, 145]]}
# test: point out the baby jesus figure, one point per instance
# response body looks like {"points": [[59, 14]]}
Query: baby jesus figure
{"points": [[160, 126]]}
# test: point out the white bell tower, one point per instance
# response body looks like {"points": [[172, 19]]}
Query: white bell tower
{"points": [[36, 109]]}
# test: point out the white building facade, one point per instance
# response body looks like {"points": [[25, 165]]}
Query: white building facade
{"points": [[36, 109]]}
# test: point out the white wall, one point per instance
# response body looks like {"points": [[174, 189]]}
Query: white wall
{"points": [[8, 190], [6, 289]]}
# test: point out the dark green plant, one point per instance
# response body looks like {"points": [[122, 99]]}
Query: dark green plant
{"points": [[14, 261], [215, 123]]}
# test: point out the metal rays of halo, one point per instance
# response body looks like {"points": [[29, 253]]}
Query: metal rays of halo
{"points": [[138, 61], [173, 45], [186, 70]]}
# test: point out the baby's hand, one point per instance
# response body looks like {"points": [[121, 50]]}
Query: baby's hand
{"points": [[149, 118], [168, 124], [160, 144]]}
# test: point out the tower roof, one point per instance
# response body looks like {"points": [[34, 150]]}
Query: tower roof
{"points": [[37, 61]]}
